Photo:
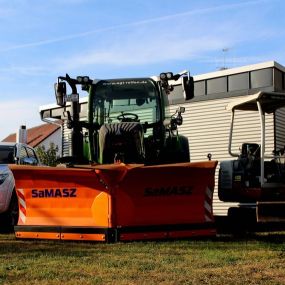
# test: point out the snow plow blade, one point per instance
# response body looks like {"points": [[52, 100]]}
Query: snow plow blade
{"points": [[115, 202]]}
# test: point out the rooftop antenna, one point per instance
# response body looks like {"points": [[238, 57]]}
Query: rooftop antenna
{"points": [[224, 50]]}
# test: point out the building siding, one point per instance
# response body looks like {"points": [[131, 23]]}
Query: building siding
{"points": [[280, 128], [66, 140]]}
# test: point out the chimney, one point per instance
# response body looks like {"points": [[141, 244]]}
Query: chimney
{"points": [[21, 135]]}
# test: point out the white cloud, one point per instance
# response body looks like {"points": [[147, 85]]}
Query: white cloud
{"points": [[171, 17], [190, 34], [24, 70], [184, 38], [231, 60], [134, 52], [18, 112]]}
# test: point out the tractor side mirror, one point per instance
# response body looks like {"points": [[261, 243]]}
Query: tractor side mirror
{"points": [[188, 87], [60, 93]]}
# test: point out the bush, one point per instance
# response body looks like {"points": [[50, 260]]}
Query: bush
{"points": [[48, 157]]}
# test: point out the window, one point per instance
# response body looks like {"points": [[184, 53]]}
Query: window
{"points": [[278, 81], [261, 78], [114, 97], [239, 82], [217, 85], [199, 88]]}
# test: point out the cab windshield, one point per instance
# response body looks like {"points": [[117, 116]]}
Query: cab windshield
{"points": [[134, 99]]}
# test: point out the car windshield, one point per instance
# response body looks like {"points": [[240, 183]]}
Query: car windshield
{"points": [[6, 154], [131, 98]]}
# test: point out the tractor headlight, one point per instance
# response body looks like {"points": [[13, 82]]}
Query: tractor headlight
{"points": [[169, 75], [162, 76], [3, 177], [166, 76], [79, 79], [86, 79], [83, 79]]}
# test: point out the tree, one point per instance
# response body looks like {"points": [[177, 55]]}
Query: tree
{"points": [[48, 157]]}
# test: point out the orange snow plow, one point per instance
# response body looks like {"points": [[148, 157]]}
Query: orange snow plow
{"points": [[115, 202]]}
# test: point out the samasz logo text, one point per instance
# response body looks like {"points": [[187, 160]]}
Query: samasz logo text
{"points": [[168, 191], [54, 193]]}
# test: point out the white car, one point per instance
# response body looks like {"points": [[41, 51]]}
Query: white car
{"points": [[12, 153]]}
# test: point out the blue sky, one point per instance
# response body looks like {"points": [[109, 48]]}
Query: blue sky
{"points": [[42, 39]]}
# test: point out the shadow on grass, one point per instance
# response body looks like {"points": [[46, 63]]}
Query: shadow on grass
{"points": [[9, 244]]}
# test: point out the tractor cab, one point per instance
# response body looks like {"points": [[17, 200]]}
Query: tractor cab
{"points": [[126, 112]]}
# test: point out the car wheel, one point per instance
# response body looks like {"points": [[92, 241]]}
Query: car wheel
{"points": [[14, 210], [10, 218]]}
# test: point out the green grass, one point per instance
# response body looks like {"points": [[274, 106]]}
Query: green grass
{"points": [[258, 259]]}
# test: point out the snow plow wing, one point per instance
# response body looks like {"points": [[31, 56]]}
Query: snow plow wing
{"points": [[115, 202]]}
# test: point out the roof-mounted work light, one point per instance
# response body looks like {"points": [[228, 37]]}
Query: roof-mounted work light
{"points": [[83, 79], [166, 76], [169, 75]]}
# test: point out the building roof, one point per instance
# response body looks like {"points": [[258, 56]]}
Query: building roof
{"points": [[35, 135], [235, 70]]}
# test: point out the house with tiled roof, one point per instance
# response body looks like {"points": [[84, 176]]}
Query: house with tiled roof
{"points": [[41, 135]]}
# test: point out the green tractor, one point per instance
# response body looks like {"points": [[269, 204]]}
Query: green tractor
{"points": [[128, 120]]}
